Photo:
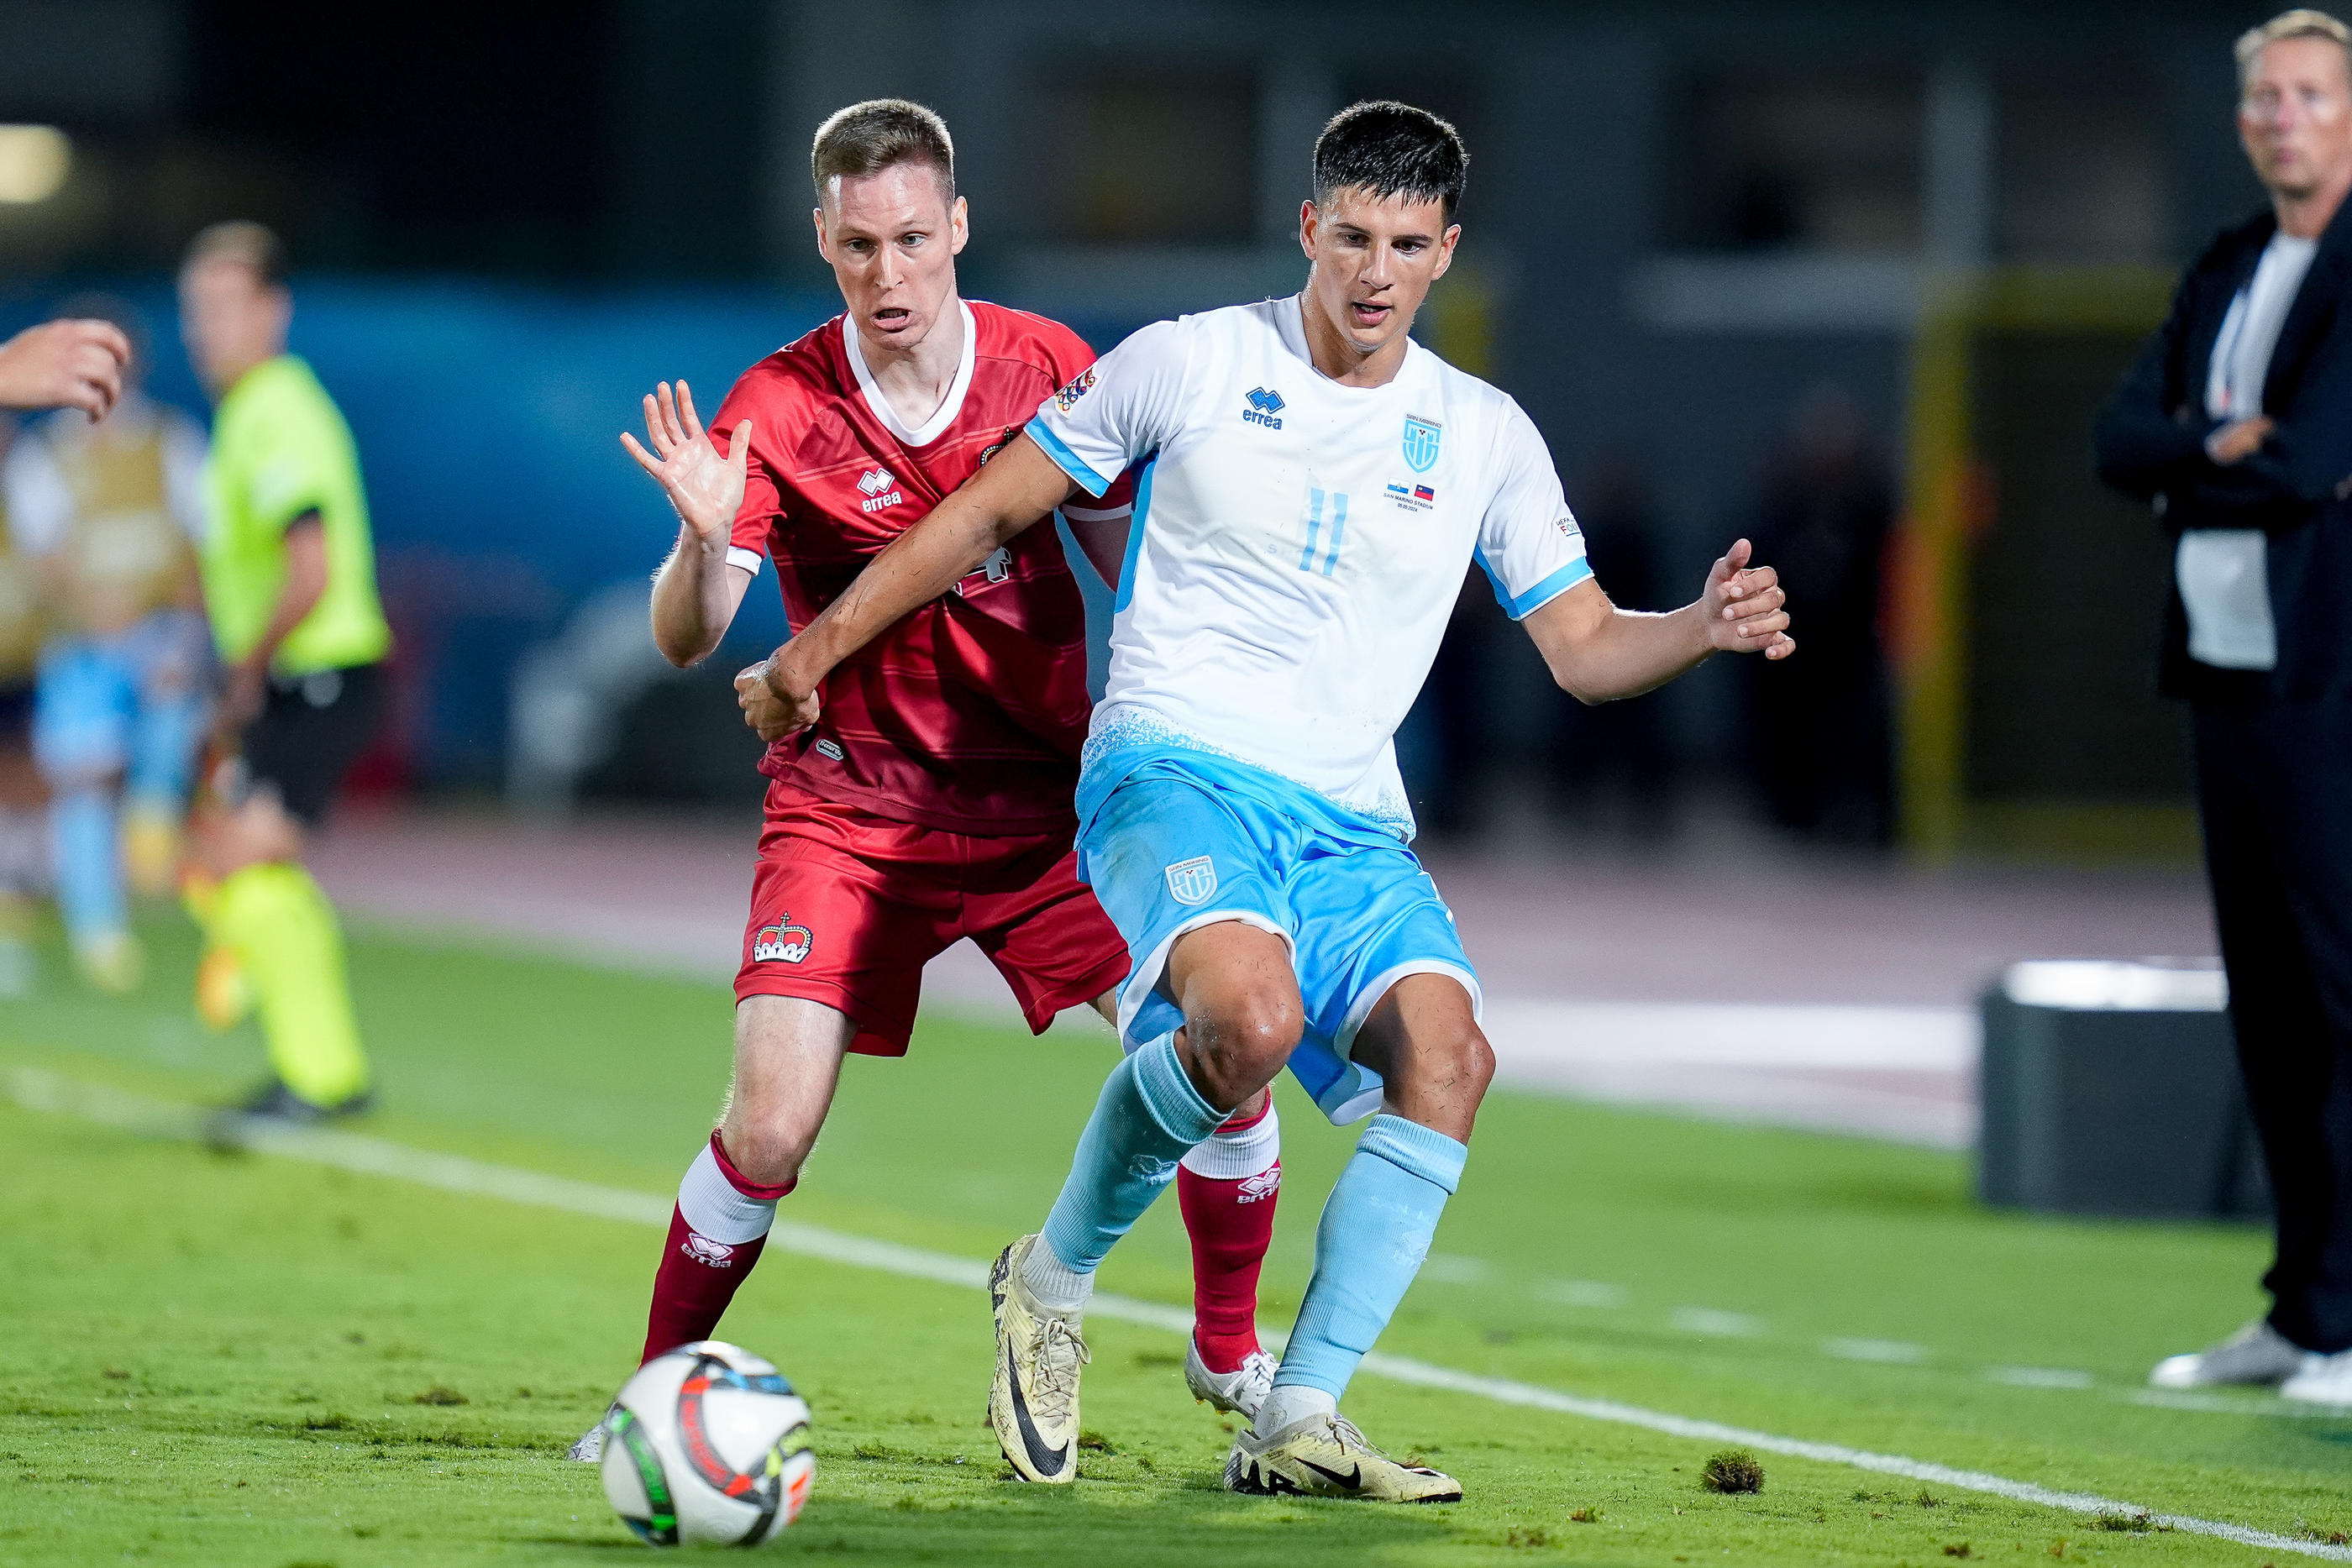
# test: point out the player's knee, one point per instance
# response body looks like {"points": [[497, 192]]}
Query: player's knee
{"points": [[1456, 1065], [1475, 1061], [770, 1155], [1243, 1041]]}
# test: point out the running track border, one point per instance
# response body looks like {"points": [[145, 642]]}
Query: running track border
{"points": [[37, 1089]]}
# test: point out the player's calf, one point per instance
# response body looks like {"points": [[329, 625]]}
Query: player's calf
{"points": [[1228, 1187]]}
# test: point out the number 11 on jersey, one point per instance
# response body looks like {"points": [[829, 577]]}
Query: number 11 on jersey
{"points": [[1320, 503]]}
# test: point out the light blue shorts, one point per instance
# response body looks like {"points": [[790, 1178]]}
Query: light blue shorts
{"points": [[132, 700], [1183, 841]]}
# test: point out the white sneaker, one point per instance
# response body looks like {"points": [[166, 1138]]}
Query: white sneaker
{"points": [[1236, 1393], [2324, 1380], [2257, 1353]]}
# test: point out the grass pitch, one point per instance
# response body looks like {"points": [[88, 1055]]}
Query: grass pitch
{"points": [[208, 1359]]}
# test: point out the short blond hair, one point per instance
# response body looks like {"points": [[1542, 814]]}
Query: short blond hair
{"points": [[2299, 23], [242, 241]]}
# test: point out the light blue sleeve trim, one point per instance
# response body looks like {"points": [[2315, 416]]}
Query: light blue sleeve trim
{"points": [[1541, 594], [1086, 478], [1126, 584]]}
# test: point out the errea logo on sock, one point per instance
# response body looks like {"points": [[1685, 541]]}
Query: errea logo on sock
{"points": [[1263, 1184], [704, 1251]]}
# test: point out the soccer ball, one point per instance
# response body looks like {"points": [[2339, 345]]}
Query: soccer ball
{"points": [[707, 1444]]}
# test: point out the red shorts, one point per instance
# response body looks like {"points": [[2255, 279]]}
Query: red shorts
{"points": [[848, 906]]}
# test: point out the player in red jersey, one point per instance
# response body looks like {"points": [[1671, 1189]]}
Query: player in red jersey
{"points": [[933, 802]]}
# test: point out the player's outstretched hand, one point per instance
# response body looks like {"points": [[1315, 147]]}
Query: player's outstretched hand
{"points": [[64, 364], [772, 713], [1745, 606], [705, 489]]}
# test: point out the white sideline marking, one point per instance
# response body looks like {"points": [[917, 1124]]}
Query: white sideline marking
{"points": [[1890, 1351], [42, 1091], [2035, 1377], [1715, 1320]]}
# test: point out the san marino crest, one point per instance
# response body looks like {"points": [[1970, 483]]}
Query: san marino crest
{"points": [[1421, 438], [1191, 881]]}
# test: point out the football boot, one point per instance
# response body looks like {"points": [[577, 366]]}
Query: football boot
{"points": [[1325, 1456], [1238, 1393], [1032, 1397]]}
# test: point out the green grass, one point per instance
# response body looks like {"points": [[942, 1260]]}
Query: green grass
{"points": [[219, 1359]]}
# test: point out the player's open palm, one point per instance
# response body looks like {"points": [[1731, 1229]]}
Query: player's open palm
{"points": [[705, 489], [1747, 609]]}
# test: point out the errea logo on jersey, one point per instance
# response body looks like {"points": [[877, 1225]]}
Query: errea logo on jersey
{"points": [[877, 484], [1263, 406]]}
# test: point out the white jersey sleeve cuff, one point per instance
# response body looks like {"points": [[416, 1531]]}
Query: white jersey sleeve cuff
{"points": [[749, 559], [1519, 606], [1069, 462], [1097, 515]]}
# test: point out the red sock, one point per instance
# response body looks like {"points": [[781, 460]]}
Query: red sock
{"points": [[1230, 1224], [700, 1271]]}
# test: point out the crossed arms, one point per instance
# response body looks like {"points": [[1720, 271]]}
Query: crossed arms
{"points": [[1596, 651]]}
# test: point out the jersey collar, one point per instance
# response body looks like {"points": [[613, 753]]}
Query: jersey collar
{"points": [[1290, 324], [931, 429]]}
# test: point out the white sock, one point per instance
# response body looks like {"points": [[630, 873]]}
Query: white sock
{"points": [[1292, 1402], [715, 1208], [1057, 1287], [1238, 1154]]}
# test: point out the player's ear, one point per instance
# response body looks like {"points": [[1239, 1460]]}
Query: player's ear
{"points": [[817, 212], [958, 226], [1307, 228], [1445, 251]]}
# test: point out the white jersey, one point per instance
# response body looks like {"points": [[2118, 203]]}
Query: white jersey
{"points": [[1297, 543]]}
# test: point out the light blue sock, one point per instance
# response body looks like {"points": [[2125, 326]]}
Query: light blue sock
{"points": [[1374, 1233], [163, 741], [86, 855], [1149, 1116]]}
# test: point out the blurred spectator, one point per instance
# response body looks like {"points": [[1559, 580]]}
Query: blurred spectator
{"points": [[1590, 747], [110, 512], [2236, 421], [1820, 738]]}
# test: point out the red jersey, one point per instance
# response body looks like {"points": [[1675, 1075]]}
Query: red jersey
{"points": [[969, 714]]}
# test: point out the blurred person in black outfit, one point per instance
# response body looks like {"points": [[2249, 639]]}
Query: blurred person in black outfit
{"points": [[1627, 740], [1446, 745], [1820, 740], [2236, 421]]}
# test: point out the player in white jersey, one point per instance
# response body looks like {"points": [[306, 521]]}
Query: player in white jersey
{"points": [[1315, 485]]}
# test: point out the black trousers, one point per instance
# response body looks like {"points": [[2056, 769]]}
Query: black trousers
{"points": [[2274, 785]]}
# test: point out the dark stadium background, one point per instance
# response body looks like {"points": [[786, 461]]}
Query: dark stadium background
{"points": [[1689, 229]]}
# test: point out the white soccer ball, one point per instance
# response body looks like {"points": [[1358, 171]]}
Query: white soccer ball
{"points": [[707, 1444]]}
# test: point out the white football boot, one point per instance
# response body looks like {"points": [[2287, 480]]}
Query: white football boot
{"points": [[1325, 1456], [2322, 1380], [589, 1449], [1236, 1393], [1032, 1397], [2257, 1353]]}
